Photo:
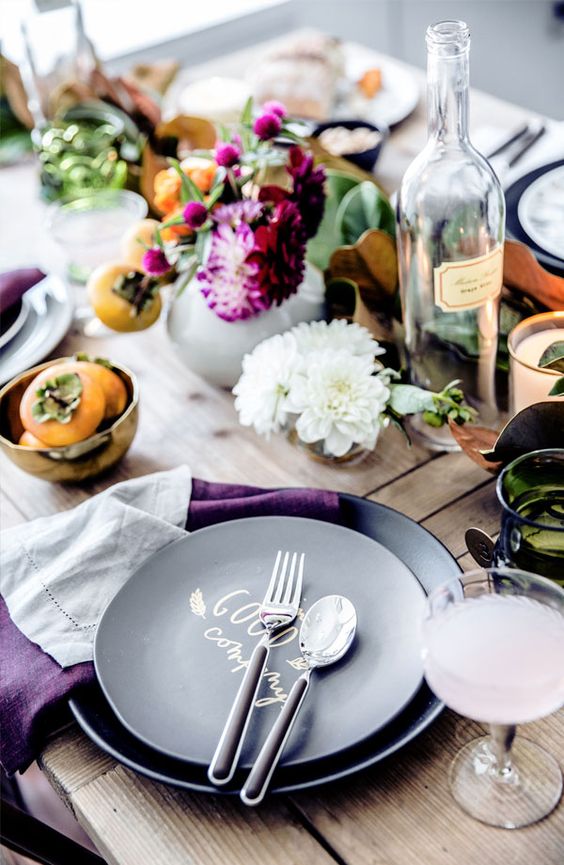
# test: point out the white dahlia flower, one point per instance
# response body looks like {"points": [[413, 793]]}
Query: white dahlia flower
{"points": [[263, 389]]}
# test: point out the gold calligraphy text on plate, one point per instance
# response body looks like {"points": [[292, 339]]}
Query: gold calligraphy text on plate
{"points": [[245, 614]]}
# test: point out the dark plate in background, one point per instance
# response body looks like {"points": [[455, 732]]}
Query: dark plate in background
{"points": [[514, 227]]}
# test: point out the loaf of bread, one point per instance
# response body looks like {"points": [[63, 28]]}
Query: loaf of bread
{"points": [[302, 72]]}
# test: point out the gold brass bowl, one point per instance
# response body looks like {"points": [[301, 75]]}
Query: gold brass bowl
{"points": [[76, 462]]}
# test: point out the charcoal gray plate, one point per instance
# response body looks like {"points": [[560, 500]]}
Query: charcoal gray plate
{"points": [[429, 560], [170, 648]]}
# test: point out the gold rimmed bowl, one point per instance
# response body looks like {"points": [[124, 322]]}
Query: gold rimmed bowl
{"points": [[75, 462]]}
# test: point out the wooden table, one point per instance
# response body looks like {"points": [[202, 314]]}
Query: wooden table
{"points": [[397, 813]]}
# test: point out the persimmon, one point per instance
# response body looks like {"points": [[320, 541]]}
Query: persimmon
{"points": [[113, 386], [28, 440], [136, 240], [60, 407], [124, 299]]}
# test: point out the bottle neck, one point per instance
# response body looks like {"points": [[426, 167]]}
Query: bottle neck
{"points": [[447, 97]]}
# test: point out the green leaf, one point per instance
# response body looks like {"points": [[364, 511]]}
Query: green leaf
{"points": [[247, 113], [553, 356], [214, 196], [362, 208], [558, 387], [329, 236], [189, 191], [409, 399]]}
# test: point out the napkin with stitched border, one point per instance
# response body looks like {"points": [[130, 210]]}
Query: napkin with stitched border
{"points": [[35, 688]]}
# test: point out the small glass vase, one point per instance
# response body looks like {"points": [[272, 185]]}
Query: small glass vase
{"points": [[317, 451]]}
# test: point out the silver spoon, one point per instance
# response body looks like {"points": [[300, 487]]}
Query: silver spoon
{"points": [[326, 634]]}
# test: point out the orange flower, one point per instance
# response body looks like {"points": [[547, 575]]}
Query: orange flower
{"points": [[201, 171], [174, 232], [167, 190]]}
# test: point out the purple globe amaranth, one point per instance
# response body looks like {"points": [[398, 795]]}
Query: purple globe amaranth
{"points": [[155, 262], [267, 126], [195, 214], [275, 107], [227, 155]]}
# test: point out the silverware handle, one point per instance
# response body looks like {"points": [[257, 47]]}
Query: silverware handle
{"points": [[266, 762], [224, 762]]}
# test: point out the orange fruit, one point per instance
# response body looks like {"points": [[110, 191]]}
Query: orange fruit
{"points": [[135, 240], [28, 440], [114, 389], [56, 393], [114, 310]]}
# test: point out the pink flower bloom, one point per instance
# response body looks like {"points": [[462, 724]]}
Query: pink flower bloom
{"points": [[226, 154], [195, 214], [229, 281], [155, 262], [267, 126], [237, 212], [275, 107]]}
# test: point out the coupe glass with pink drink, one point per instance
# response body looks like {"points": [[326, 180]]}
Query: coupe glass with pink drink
{"points": [[493, 649]]}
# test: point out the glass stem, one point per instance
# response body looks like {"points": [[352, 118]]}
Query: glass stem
{"points": [[502, 736]]}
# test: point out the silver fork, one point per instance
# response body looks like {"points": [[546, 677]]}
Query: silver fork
{"points": [[279, 608]]}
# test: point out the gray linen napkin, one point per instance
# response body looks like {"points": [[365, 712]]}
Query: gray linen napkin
{"points": [[58, 573]]}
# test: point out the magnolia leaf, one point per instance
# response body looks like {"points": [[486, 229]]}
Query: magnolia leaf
{"points": [[364, 207], [535, 427], [558, 387], [372, 264], [191, 133], [553, 356], [474, 440], [409, 399], [328, 236]]}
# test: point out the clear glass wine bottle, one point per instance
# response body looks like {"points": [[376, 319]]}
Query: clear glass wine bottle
{"points": [[450, 230]]}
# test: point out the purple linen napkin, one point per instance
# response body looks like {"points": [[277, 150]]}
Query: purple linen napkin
{"points": [[35, 689], [15, 283]]}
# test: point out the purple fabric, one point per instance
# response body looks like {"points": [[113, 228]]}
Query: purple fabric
{"points": [[15, 283], [35, 689]]}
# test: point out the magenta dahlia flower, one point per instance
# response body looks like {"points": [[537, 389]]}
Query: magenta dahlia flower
{"points": [[155, 262], [267, 126], [229, 281], [279, 252], [226, 154], [275, 107], [195, 214], [308, 191]]}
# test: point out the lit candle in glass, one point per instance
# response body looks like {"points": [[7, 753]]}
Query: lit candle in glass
{"points": [[529, 383]]}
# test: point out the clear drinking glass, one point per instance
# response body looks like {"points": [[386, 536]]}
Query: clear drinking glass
{"points": [[493, 650], [450, 231]]}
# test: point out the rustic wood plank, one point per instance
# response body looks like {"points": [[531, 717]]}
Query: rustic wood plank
{"points": [[401, 812], [431, 486], [199, 425], [70, 761], [134, 821], [10, 514], [480, 508]]}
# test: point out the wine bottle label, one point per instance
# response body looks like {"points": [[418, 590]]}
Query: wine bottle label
{"points": [[469, 283]]}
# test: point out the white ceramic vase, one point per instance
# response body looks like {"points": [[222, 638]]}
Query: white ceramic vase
{"points": [[214, 348]]}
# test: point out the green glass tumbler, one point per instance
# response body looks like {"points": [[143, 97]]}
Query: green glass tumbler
{"points": [[531, 492]]}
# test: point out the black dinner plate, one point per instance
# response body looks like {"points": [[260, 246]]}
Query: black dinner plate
{"points": [[515, 228], [424, 555]]}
